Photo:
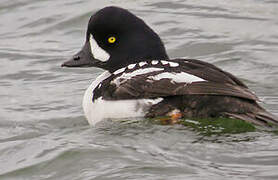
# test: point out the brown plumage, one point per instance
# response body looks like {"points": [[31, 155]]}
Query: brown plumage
{"points": [[220, 95], [206, 106]]}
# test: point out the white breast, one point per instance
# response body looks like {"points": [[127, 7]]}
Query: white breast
{"points": [[102, 109]]}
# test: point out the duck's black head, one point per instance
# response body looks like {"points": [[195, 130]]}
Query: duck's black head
{"points": [[115, 38]]}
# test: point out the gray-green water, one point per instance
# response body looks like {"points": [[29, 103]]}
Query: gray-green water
{"points": [[44, 135]]}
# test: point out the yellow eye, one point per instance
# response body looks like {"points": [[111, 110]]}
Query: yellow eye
{"points": [[111, 39]]}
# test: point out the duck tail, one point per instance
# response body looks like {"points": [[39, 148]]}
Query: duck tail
{"points": [[261, 117]]}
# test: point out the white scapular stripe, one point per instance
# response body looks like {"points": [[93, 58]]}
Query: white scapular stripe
{"points": [[97, 51], [142, 63], [125, 76], [181, 77], [131, 66], [173, 64], [154, 62], [164, 62], [119, 71]]}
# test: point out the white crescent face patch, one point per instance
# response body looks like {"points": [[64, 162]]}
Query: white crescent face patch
{"points": [[97, 52]]}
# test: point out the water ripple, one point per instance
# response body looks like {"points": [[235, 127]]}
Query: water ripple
{"points": [[44, 134]]}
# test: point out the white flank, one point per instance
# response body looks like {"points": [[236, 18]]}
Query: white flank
{"points": [[131, 66], [173, 64], [101, 109], [119, 71], [142, 63], [97, 51], [154, 62], [125, 76], [177, 77], [88, 96]]}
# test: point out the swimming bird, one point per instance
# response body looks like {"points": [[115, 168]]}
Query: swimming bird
{"points": [[140, 80]]}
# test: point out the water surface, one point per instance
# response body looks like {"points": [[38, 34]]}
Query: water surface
{"points": [[44, 135]]}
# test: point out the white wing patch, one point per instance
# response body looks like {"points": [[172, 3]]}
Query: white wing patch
{"points": [[97, 51], [125, 76], [181, 77]]}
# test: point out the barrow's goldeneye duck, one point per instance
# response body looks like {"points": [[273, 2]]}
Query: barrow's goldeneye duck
{"points": [[141, 81]]}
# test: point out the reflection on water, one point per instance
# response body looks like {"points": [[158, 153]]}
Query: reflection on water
{"points": [[44, 135]]}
